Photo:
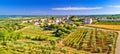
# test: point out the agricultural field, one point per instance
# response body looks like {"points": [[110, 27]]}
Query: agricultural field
{"points": [[31, 39], [113, 27], [24, 36], [92, 40], [36, 32], [29, 47]]}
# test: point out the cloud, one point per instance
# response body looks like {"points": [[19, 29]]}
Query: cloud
{"points": [[114, 6], [77, 8]]}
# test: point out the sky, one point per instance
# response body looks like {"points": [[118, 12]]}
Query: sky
{"points": [[59, 7]]}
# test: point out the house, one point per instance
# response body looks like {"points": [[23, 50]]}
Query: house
{"points": [[36, 23], [36, 20], [70, 22], [49, 23], [94, 19], [109, 20], [24, 22], [88, 20], [57, 20], [104, 18], [30, 20], [41, 24], [68, 17], [42, 20], [62, 21]]}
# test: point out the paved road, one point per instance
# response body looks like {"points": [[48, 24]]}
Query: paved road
{"points": [[117, 50]]}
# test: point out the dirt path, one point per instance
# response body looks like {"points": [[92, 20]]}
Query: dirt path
{"points": [[23, 28]]}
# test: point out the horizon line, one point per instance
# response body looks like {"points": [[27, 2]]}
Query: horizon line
{"points": [[52, 15]]}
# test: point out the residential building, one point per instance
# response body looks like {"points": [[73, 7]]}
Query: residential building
{"points": [[88, 20]]}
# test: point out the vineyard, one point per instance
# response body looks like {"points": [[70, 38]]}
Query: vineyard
{"points": [[95, 41]]}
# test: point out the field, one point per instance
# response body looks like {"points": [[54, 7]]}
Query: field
{"points": [[113, 27], [36, 32], [37, 41], [36, 37], [27, 38], [30, 47], [92, 40]]}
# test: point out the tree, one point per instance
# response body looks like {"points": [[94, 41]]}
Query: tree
{"points": [[64, 50], [99, 49], [53, 25], [68, 27], [53, 42], [3, 33], [77, 23], [110, 48], [59, 33], [74, 18]]}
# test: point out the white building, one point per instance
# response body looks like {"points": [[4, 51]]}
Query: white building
{"points": [[24, 22], [30, 20], [49, 23], [88, 20], [42, 20], [36, 23], [57, 20], [107, 20], [67, 18]]}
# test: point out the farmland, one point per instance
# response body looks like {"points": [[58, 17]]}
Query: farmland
{"points": [[114, 27], [33, 40], [54, 36], [34, 32], [95, 41], [30, 47]]}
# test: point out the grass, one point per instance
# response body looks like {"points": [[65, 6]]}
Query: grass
{"points": [[35, 31], [50, 37]]}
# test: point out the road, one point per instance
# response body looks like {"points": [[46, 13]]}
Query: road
{"points": [[118, 44], [117, 50]]}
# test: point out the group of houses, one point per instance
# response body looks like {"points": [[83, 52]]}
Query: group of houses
{"points": [[48, 21], [110, 20], [88, 20], [104, 19]]}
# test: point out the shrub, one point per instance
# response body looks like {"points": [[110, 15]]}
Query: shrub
{"points": [[99, 49]]}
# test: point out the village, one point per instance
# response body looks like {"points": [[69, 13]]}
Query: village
{"points": [[67, 19]]}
